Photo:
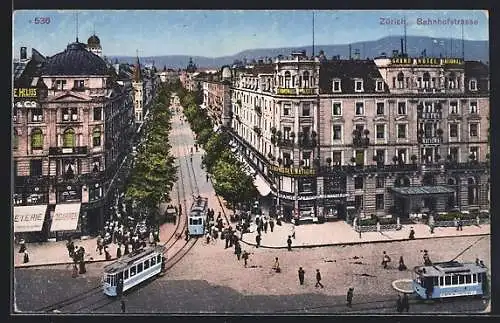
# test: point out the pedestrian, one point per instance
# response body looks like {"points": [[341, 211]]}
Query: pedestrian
{"points": [[226, 236], [208, 237], [402, 265], [257, 239], [412, 234], [207, 177], [460, 224], [26, 257], [107, 255], [385, 259], [301, 275], [126, 251], [405, 303], [123, 305], [265, 225], [119, 288], [22, 246], [258, 229], [119, 251], [245, 257], [427, 259], [271, 225], [293, 231], [318, 279], [431, 228], [350, 294], [289, 243], [237, 251], [457, 224], [276, 265], [399, 304]]}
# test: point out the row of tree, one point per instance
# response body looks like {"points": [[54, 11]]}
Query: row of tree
{"points": [[154, 171], [228, 173]]}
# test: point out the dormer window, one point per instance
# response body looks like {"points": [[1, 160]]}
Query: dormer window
{"points": [[60, 84], [380, 86], [336, 86], [358, 86], [78, 85], [473, 85]]}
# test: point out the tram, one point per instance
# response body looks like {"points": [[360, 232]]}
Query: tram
{"points": [[450, 279], [197, 216], [133, 268]]}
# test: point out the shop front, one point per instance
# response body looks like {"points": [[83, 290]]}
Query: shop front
{"points": [[307, 210], [335, 207], [29, 223], [65, 221]]}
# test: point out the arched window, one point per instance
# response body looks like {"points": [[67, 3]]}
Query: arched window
{"points": [[15, 140], [287, 79], [305, 79], [69, 138], [427, 79], [36, 139], [96, 137], [401, 78]]}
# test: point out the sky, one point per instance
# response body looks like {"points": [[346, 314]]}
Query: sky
{"points": [[215, 33]]}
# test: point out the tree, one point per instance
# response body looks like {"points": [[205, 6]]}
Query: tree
{"points": [[232, 183]]}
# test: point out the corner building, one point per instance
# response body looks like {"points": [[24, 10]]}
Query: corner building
{"points": [[346, 138]]}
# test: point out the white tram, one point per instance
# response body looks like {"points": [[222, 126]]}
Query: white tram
{"points": [[197, 216], [133, 269]]}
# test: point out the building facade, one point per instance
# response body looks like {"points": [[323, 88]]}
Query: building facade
{"points": [[71, 122], [345, 138]]}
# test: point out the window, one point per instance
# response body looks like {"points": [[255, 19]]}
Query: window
{"points": [[360, 157], [380, 108], [401, 131], [60, 84], [453, 107], [337, 158], [306, 110], [474, 151], [380, 153], [36, 115], [337, 109], [96, 164], [286, 132], [69, 138], [95, 193], [125, 274], [337, 132], [36, 139], [286, 109], [336, 86], [146, 264], [305, 79], [358, 201], [401, 79], [287, 79], [358, 86], [453, 130], [70, 114], [474, 278], [139, 268], [473, 129], [473, 107], [447, 280], [402, 155], [380, 131], [306, 157], [78, 85], [380, 85], [153, 261], [132, 271], [393, 82], [97, 113], [473, 85], [454, 153], [379, 182], [479, 277], [426, 80], [36, 167], [359, 108], [454, 280], [96, 137], [15, 140], [158, 259], [441, 281], [379, 201], [358, 183], [401, 107]]}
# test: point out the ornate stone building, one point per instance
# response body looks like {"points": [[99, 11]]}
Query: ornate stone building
{"points": [[71, 122], [390, 136]]}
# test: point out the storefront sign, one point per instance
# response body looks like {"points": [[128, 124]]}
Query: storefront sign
{"points": [[292, 171], [25, 92]]}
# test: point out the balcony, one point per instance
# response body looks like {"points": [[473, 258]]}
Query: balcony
{"points": [[430, 115], [360, 142], [287, 143], [64, 151], [307, 143], [366, 169], [286, 91]]}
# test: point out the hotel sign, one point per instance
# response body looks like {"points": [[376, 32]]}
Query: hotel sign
{"points": [[292, 171], [425, 61]]}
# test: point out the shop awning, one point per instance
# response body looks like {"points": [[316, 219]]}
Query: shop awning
{"points": [[261, 185], [66, 217], [422, 190], [29, 218]]}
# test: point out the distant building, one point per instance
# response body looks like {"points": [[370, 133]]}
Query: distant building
{"points": [[168, 75], [94, 45]]}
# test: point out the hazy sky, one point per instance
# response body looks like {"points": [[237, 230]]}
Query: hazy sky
{"points": [[214, 33]]}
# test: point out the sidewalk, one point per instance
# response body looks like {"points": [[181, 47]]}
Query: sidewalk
{"points": [[341, 233]]}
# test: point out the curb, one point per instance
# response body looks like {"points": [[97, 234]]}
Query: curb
{"points": [[358, 242], [60, 263]]}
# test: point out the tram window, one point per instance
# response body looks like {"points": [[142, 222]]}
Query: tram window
{"points": [[474, 278], [125, 274], [132, 271], [441, 281], [461, 279], [190, 221], [158, 259], [479, 278], [108, 279], [454, 280], [146, 264], [153, 261], [435, 281], [468, 279], [447, 280], [113, 280], [139, 268]]}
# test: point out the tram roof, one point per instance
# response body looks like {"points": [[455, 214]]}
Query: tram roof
{"points": [[130, 258], [448, 268]]}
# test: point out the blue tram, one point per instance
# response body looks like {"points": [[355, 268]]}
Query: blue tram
{"points": [[133, 269], [450, 279], [197, 216]]}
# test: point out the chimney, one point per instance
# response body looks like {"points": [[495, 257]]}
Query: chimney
{"points": [[23, 53]]}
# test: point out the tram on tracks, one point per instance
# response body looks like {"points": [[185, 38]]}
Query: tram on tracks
{"points": [[450, 279], [133, 269], [197, 216]]}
